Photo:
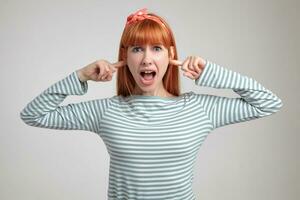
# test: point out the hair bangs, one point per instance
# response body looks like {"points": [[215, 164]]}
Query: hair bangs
{"points": [[147, 32]]}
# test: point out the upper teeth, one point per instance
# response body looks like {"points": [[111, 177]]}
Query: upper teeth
{"points": [[148, 71]]}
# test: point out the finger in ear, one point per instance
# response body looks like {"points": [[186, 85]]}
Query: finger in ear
{"points": [[172, 52]]}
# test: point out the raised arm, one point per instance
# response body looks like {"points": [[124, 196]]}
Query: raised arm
{"points": [[44, 110], [255, 101]]}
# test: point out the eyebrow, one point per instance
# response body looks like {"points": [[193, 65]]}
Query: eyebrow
{"points": [[157, 44]]}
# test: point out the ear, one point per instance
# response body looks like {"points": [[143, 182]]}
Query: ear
{"points": [[172, 52]]}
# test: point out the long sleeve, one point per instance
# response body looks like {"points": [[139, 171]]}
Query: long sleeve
{"points": [[44, 110], [255, 101]]}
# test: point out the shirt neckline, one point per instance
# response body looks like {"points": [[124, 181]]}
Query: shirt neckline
{"points": [[164, 99]]}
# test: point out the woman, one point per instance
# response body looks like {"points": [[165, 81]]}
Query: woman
{"points": [[152, 132]]}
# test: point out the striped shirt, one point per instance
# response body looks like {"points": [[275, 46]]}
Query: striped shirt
{"points": [[153, 141]]}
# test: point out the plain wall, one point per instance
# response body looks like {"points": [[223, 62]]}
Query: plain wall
{"points": [[44, 41]]}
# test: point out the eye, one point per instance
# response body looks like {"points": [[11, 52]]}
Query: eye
{"points": [[157, 47], [135, 48]]}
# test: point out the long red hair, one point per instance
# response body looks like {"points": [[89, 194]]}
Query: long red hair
{"points": [[142, 33]]}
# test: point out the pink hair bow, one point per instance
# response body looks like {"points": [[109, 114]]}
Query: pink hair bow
{"points": [[141, 15]]}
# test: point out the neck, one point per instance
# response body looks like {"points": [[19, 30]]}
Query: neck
{"points": [[159, 91]]}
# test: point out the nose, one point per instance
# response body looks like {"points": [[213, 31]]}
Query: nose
{"points": [[147, 59], [146, 62]]}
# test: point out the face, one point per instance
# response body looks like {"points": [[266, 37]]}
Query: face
{"points": [[152, 58]]}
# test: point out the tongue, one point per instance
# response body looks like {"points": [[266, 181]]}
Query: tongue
{"points": [[148, 76]]}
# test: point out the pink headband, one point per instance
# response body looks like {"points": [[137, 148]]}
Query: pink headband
{"points": [[141, 15]]}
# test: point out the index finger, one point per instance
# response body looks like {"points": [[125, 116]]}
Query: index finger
{"points": [[176, 62], [119, 64]]}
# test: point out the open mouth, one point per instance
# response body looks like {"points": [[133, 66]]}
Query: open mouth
{"points": [[147, 78]]}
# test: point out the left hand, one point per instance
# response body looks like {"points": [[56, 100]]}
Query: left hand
{"points": [[192, 66]]}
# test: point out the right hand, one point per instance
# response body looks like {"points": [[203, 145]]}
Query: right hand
{"points": [[100, 70]]}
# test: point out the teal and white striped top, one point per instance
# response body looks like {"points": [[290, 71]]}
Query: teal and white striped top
{"points": [[153, 141]]}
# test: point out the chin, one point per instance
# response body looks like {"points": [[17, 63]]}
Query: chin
{"points": [[148, 88]]}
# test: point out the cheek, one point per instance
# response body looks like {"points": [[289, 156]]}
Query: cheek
{"points": [[164, 70], [132, 65], [163, 64]]}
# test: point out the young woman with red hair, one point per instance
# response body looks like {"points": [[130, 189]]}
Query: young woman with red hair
{"points": [[151, 130]]}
